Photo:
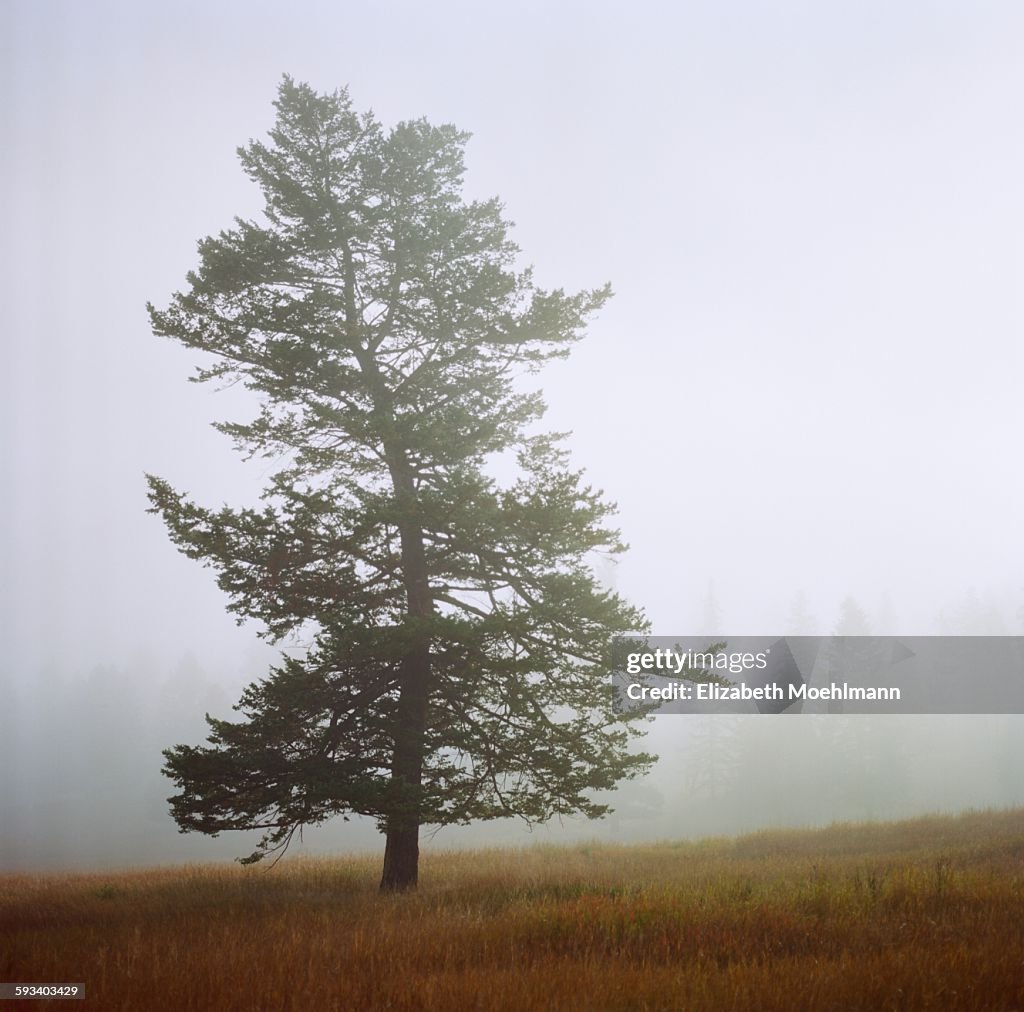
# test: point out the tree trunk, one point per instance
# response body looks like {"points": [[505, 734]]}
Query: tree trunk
{"points": [[401, 858], [402, 850]]}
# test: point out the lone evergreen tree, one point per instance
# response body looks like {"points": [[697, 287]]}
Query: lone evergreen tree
{"points": [[460, 644]]}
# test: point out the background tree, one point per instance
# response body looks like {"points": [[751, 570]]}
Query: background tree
{"points": [[800, 621], [460, 644], [853, 620], [711, 621]]}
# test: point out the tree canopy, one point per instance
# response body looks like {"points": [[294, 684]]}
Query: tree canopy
{"points": [[459, 643]]}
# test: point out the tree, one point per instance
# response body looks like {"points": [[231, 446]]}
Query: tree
{"points": [[850, 651], [801, 622], [459, 645], [712, 621], [852, 619]]}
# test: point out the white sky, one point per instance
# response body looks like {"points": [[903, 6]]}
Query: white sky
{"points": [[811, 213]]}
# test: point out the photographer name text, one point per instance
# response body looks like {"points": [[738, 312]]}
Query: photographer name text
{"points": [[711, 692]]}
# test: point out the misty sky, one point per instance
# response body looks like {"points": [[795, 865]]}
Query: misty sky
{"points": [[812, 215]]}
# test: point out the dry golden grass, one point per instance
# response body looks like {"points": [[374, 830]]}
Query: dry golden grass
{"points": [[921, 914]]}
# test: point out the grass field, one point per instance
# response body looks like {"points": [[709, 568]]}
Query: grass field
{"points": [[927, 913]]}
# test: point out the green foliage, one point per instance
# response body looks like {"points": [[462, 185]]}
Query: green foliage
{"points": [[460, 642]]}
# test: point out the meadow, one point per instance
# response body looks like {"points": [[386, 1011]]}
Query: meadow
{"points": [[922, 914]]}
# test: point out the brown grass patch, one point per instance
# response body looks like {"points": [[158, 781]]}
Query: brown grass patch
{"points": [[921, 914]]}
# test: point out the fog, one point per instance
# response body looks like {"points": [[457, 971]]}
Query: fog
{"points": [[805, 396]]}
